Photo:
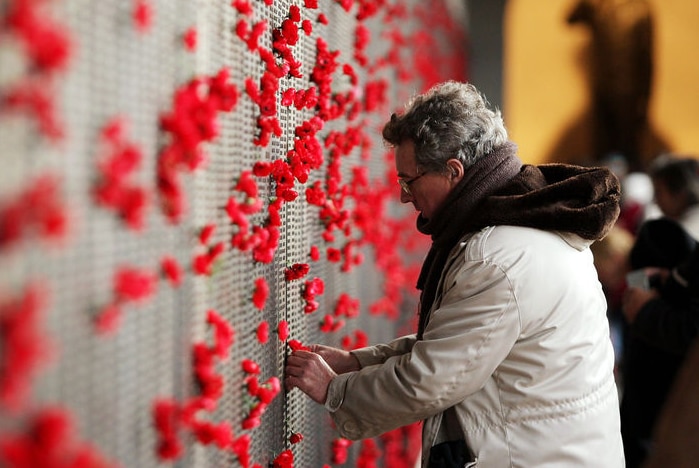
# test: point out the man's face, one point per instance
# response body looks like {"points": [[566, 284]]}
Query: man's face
{"points": [[428, 190]]}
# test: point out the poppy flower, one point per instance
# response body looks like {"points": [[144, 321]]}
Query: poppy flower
{"points": [[295, 438], [25, 348], [296, 345], [284, 460], [269, 390], [172, 270], [190, 39], [296, 271], [259, 296], [241, 448], [133, 284], [221, 434], [244, 7], [206, 233], [143, 15], [314, 253], [339, 449], [283, 330], [250, 367], [263, 332], [166, 414], [224, 335], [108, 319]]}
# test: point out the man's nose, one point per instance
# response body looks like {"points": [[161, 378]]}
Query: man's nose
{"points": [[405, 197]]}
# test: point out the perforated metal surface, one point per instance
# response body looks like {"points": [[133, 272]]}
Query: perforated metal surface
{"points": [[109, 383]]}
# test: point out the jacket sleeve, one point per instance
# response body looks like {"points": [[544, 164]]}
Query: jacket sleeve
{"points": [[467, 337], [378, 354]]}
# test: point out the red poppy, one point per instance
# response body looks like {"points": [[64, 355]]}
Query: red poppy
{"points": [[314, 253], [250, 366], [263, 332], [283, 330], [206, 233], [284, 460], [224, 335], [259, 296], [295, 438], [296, 271], [108, 320], [241, 447], [190, 39], [339, 450], [296, 345], [244, 7], [207, 432], [133, 284], [143, 15], [25, 348], [172, 270]]}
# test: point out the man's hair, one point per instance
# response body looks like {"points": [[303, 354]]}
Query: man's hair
{"points": [[451, 120], [679, 174]]}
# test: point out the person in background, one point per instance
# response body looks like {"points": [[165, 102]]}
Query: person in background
{"points": [[676, 187], [611, 259], [512, 363], [661, 322], [675, 433]]}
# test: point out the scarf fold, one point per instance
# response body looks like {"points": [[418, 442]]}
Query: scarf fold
{"points": [[499, 190]]}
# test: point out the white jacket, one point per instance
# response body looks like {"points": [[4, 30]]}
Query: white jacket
{"points": [[517, 342]]}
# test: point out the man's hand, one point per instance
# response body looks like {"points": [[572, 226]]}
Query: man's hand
{"points": [[339, 360], [634, 300], [308, 372]]}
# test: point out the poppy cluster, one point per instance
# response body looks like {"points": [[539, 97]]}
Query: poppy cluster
{"points": [[348, 210], [114, 190], [47, 49]]}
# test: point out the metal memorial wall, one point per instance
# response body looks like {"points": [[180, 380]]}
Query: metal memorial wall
{"points": [[190, 189]]}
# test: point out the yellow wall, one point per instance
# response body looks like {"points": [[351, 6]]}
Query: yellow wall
{"points": [[545, 90]]}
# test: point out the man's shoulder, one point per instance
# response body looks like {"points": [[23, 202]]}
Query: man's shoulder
{"points": [[504, 239]]}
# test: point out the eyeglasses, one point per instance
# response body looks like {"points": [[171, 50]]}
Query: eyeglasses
{"points": [[405, 184]]}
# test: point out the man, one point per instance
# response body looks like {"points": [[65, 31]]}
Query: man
{"points": [[512, 363]]}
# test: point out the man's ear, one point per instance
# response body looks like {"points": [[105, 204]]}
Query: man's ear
{"points": [[456, 169]]}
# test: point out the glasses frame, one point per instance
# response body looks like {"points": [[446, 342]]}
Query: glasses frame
{"points": [[406, 183]]}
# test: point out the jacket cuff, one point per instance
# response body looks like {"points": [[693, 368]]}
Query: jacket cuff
{"points": [[336, 393]]}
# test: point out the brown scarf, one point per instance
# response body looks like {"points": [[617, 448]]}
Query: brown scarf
{"points": [[499, 190]]}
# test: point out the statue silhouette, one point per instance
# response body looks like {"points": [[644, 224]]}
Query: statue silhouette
{"points": [[619, 65]]}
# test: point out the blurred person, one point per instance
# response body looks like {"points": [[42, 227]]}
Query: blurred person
{"points": [[675, 434], [512, 363], [661, 324], [611, 259], [676, 188]]}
